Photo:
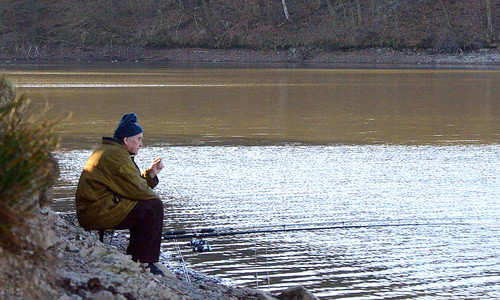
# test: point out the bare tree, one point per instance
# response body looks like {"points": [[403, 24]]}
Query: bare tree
{"points": [[268, 7], [448, 21], [330, 7], [490, 18], [206, 9], [285, 10], [360, 14]]}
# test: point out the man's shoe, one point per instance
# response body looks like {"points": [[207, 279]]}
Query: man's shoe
{"points": [[154, 269]]}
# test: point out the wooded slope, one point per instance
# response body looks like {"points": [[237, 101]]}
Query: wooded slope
{"points": [[442, 25]]}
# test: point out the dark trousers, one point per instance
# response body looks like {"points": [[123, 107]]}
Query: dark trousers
{"points": [[145, 222]]}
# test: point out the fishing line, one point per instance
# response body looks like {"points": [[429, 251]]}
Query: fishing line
{"points": [[183, 264], [268, 278], [256, 266]]}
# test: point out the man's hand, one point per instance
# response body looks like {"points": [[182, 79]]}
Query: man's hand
{"points": [[155, 168]]}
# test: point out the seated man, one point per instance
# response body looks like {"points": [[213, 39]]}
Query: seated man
{"points": [[113, 194]]}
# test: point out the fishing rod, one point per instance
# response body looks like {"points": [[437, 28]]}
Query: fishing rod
{"points": [[223, 229], [211, 232]]}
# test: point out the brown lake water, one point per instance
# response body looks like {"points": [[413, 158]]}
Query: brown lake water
{"points": [[258, 146]]}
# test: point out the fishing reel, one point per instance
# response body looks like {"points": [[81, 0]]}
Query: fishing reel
{"points": [[200, 245]]}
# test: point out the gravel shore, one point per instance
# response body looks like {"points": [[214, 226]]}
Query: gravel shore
{"points": [[76, 265], [90, 269]]}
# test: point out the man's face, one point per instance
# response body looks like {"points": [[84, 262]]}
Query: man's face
{"points": [[133, 143]]}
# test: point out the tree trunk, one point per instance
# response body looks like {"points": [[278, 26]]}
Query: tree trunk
{"points": [[285, 10], [360, 15], [490, 18], [448, 21], [330, 7], [206, 9], [268, 6], [372, 7]]}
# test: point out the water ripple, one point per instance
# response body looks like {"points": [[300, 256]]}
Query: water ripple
{"points": [[448, 197]]}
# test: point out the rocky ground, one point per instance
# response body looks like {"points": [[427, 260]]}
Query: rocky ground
{"points": [[78, 266], [371, 56]]}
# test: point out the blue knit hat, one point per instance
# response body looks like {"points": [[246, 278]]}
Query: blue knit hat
{"points": [[127, 126]]}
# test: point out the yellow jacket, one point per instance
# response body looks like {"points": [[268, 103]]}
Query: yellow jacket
{"points": [[110, 185]]}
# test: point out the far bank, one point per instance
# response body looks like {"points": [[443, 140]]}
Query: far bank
{"points": [[300, 56]]}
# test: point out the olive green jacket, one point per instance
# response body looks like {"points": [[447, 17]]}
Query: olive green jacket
{"points": [[110, 186]]}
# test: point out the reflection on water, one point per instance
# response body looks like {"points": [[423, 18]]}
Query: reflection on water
{"points": [[250, 147], [273, 106]]}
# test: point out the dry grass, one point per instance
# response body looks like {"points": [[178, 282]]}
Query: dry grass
{"points": [[26, 166], [27, 172]]}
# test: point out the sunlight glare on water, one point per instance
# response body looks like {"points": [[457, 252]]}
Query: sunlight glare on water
{"points": [[234, 186]]}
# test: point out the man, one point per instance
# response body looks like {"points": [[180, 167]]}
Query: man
{"points": [[113, 194]]}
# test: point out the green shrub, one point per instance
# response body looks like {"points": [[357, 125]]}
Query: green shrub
{"points": [[26, 164]]}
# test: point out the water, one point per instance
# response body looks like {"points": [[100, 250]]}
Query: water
{"points": [[252, 106], [217, 187], [254, 147]]}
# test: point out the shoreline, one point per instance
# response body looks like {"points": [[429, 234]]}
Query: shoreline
{"points": [[76, 265], [302, 56]]}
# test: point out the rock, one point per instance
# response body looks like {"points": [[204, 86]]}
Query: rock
{"points": [[85, 252], [103, 295], [64, 297], [71, 247], [94, 285], [165, 270], [98, 252], [152, 285], [264, 296], [296, 293], [74, 278]]}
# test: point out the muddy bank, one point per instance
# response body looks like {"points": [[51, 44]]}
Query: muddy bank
{"points": [[368, 57]]}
